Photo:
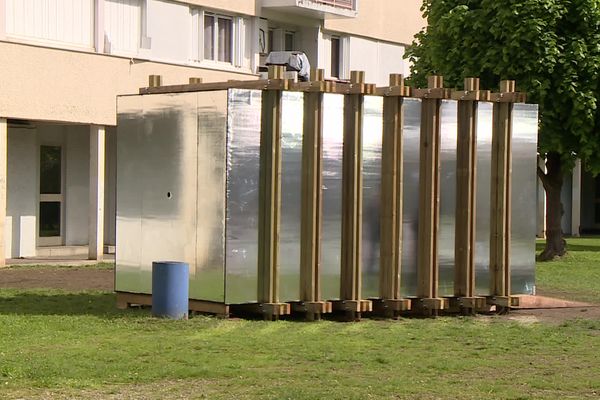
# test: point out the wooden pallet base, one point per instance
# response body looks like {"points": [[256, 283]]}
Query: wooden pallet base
{"points": [[270, 311], [312, 309], [126, 300], [429, 306], [391, 308], [352, 305], [469, 305], [503, 301]]}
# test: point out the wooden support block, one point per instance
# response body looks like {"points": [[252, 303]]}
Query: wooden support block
{"points": [[384, 307], [269, 197], [125, 299], [209, 307], [396, 87], [503, 301], [315, 307], [268, 84], [425, 305], [475, 303], [154, 81], [432, 93], [358, 306], [195, 80]]}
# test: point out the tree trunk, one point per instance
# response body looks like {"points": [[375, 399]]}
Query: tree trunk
{"points": [[553, 181]]}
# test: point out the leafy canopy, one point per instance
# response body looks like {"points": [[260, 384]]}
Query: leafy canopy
{"points": [[550, 47]]}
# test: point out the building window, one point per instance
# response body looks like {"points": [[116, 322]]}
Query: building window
{"points": [[222, 40], [122, 26], [336, 58], [66, 23], [218, 38], [289, 41]]}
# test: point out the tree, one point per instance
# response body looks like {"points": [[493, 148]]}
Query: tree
{"points": [[551, 48]]}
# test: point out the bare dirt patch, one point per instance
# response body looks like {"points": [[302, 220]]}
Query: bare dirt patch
{"points": [[70, 279]]}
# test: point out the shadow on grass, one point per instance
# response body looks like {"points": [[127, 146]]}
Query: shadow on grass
{"points": [[583, 247], [101, 304]]}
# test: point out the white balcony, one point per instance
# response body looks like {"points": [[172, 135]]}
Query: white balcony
{"points": [[315, 8]]}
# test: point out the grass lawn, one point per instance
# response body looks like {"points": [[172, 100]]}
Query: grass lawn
{"points": [[60, 345]]}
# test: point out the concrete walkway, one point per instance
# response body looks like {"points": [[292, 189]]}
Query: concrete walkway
{"points": [[73, 260]]}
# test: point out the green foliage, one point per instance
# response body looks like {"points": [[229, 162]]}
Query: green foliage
{"points": [[550, 47]]}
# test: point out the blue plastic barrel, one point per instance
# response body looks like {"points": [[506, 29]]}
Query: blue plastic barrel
{"points": [[170, 289]]}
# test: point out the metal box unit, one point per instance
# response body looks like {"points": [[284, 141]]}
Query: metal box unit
{"points": [[188, 190]]}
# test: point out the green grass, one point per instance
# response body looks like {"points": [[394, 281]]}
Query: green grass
{"points": [[61, 345], [576, 276]]}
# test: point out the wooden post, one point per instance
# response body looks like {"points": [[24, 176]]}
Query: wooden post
{"points": [[270, 199], [429, 198], [501, 196], [351, 280], [310, 241], [391, 200], [195, 80], [466, 161]]}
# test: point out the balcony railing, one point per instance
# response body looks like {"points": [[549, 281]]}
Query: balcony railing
{"points": [[346, 4]]}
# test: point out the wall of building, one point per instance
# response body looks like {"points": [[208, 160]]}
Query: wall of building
{"points": [[567, 202], [248, 7], [378, 59], [394, 21], [70, 86]]}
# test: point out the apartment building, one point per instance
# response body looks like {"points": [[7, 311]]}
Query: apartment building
{"points": [[63, 62]]}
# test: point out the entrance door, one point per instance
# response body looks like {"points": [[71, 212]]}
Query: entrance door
{"points": [[51, 197]]}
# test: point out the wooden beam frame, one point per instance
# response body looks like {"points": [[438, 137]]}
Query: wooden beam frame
{"points": [[269, 212], [500, 221], [391, 200], [311, 210], [429, 199], [466, 161], [352, 184]]}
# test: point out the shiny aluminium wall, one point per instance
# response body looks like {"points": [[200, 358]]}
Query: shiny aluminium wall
{"points": [[483, 189], [331, 233], [410, 199], [523, 197], [447, 224], [164, 189], [243, 169], [371, 205]]}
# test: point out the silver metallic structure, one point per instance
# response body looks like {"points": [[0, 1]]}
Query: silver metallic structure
{"points": [[187, 190]]}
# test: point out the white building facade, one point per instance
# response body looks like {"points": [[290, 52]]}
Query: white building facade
{"points": [[63, 62]]}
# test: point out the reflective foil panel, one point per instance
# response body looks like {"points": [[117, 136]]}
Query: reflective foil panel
{"points": [[207, 280], [523, 228], [447, 224], [157, 180], [410, 217], [482, 198], [331, 242], [291, 196], [243, 162], [129, 199], [371, 173]]}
